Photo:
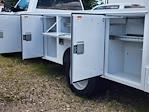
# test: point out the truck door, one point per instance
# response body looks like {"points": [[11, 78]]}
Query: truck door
{"points": [[32, 39], [10, 34], [87, 46]]}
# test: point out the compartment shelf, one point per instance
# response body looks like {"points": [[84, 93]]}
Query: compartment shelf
{"points": [[126, 76], [58, 35], [128, 38]]}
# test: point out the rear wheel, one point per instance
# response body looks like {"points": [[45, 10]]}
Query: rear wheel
{"points": [[87, 88], [81, 85]]}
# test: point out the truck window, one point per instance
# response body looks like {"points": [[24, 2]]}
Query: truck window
{"points": [[59, 4], [23, 4]]}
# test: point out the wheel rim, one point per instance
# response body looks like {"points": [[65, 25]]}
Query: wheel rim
{"points": [[80, 85]]}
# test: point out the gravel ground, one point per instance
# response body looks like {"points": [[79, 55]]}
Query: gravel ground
{"points": [[40, 86]]}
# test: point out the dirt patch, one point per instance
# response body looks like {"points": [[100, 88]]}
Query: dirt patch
{"points": [[40, 86]]}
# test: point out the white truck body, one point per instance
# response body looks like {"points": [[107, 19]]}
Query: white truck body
{"points": [[16, 25], [110, 43]]}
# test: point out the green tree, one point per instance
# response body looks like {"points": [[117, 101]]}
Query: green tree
{"points": [[10, 3], [14, 1]]}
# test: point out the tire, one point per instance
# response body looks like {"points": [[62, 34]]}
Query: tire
{"points": [[86, 88]]}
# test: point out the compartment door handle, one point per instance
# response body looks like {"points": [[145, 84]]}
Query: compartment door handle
{"points": [[78, 48], [27, 37]]}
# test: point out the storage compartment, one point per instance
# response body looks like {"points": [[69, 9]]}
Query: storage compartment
{"points": [[64, 26], [51, 47], [125, 49], [50, 43], [125, 59], [57, 27], [50, 24], [56, 32]]}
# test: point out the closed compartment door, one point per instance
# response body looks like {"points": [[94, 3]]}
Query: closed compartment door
{"points": [[10, 34]]}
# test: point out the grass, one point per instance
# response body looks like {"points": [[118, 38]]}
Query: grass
{"points": [[28, 83], [12, 64]]}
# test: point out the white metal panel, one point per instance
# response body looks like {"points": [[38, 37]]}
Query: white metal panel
{"points": [[32, 5], [32, 25], [135, 26], [147, 79], [142, 2], [90, 31], [145, 64], [10, 34]]}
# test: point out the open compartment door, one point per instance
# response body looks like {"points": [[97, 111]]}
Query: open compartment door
{"points": [[147, 79], [10, 34], [32, 38], [88, 32]]}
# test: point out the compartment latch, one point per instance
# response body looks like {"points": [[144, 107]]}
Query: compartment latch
{"points": [[78, 48], [27, 37]]}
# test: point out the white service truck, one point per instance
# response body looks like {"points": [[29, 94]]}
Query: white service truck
{"points": [[110, 42]]}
